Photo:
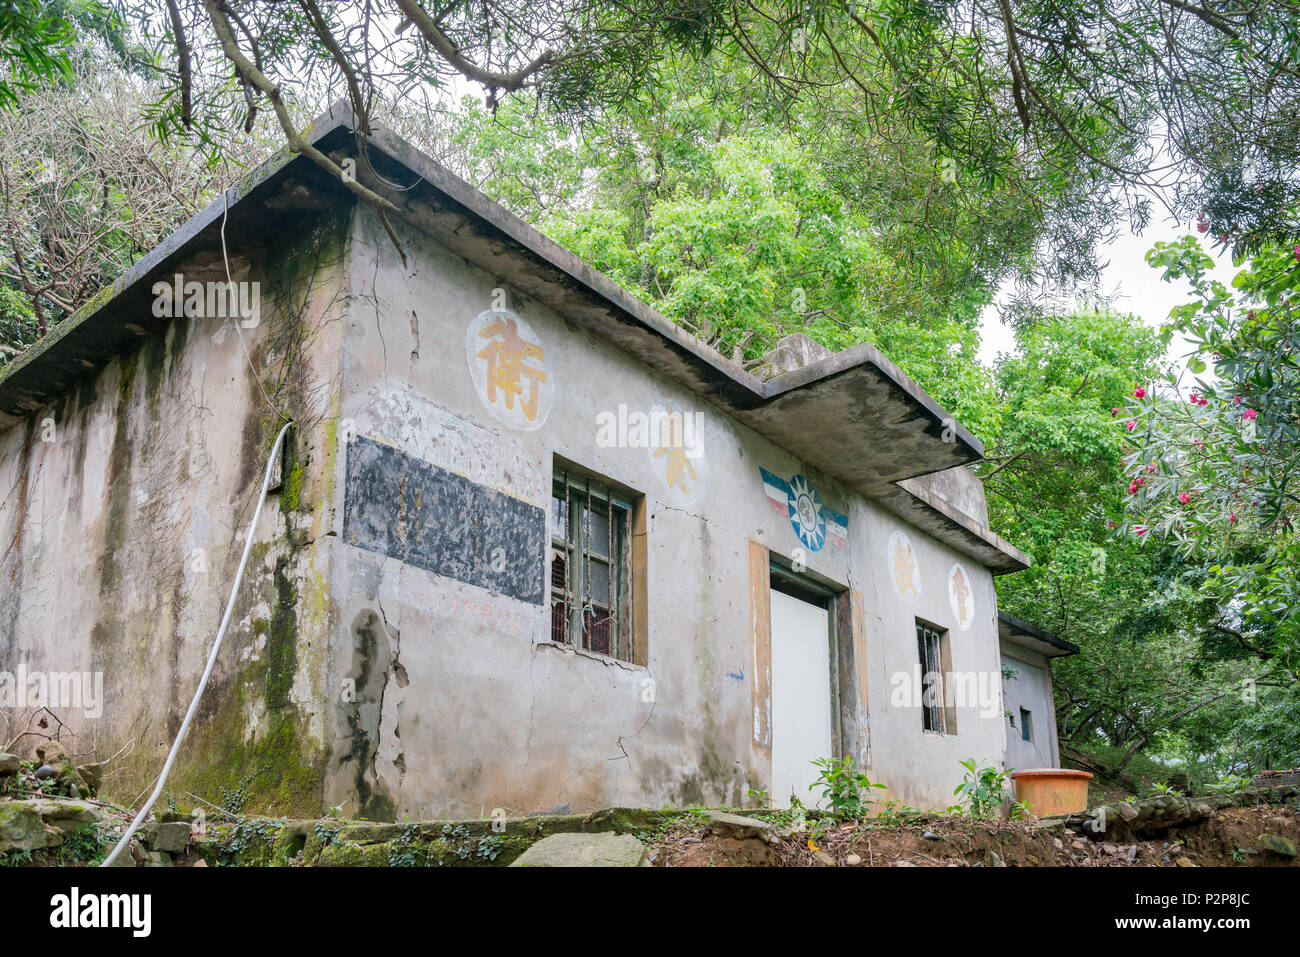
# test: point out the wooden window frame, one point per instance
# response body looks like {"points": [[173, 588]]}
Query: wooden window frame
{"points": [[586, 495], [940, 715]]}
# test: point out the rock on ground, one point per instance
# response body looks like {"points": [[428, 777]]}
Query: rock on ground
{"points": [[739, 827], [1277, 844], [172, 837], [66, 815], [53, 754], [585, 850], [35, 824], [22, 829]]}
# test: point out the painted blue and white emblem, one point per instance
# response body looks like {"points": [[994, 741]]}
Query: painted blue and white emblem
{"points": [[811, 520]]}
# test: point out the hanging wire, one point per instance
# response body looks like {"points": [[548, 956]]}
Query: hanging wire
{"points": [[249, 536]]}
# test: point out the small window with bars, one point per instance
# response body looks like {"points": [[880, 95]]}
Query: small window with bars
{"points": [[590, 584], [933, 652], [1026, 725]]}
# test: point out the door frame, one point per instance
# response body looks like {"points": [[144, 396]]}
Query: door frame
{"points": [[819, 591], [847, 643]]}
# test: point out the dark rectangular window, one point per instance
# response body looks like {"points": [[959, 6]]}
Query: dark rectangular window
{"points": [[930, 649], [590, 581], [1026, 725]]}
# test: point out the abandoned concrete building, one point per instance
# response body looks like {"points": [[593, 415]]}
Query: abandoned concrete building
{"points": [[1027, 654], [531, 546]]}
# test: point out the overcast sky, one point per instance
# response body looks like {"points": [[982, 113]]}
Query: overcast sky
{"points": [[1136, 286]]}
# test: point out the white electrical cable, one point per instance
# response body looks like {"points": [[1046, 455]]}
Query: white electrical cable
{"points": [[212, 657]]}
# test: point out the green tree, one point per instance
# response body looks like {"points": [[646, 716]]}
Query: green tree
{"points": [[33, 47], [1078, 107], [1212, 471], [1054, 464], [41, 39], [1055, 478]]}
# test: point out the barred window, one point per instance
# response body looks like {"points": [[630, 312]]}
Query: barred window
{"points": [[932, 648], [1026, 725], [590, 584]]}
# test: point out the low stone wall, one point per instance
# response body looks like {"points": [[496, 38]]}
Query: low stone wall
{"points": [[267, 842], [1164, 811], [38, 830], [1276, 779]]}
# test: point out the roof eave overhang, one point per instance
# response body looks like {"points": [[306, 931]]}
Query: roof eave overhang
{"points": [[853, 416], [1018, 632]]}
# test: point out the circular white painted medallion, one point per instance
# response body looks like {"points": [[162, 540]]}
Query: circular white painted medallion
{"points": [[961, 596], [508, 364]]}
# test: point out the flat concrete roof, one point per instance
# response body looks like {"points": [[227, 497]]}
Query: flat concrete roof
{"points": [[1020, 632], [852, 415]]}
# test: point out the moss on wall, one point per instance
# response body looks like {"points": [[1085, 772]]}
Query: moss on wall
{"points": [[273, 767], [250, 737], [282, 637], [259, 842]]}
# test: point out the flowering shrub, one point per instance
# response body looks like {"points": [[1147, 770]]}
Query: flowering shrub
{"points": [[1200, 472], [1214, 473]]}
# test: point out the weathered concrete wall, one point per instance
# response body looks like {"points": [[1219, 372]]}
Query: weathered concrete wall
{"points": [[461, 702], [372, 663], [1030, 688], [123, 522], [920, 767], [960, 487]]}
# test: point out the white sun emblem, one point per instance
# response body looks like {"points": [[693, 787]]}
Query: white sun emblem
{"points": [[806, 513]]}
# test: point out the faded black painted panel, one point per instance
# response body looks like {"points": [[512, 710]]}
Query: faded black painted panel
{"points": [[408, 509]]}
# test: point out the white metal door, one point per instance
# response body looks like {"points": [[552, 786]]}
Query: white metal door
{"points": [[801, 697]]}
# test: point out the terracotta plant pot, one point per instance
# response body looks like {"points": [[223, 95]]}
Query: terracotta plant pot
{"points": [[1052, 792]]}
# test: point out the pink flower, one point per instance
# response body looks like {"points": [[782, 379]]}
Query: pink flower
{"points": [[1249, 414], [1236, 400], [1139, 393], [1133, 487], [1297, 254], [1131, 425], [1233, 518], [1184, 498], [1193, 399], [1139, 529], [1114, 412]]}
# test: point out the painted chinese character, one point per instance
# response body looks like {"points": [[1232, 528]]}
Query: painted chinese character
{"points": [[904, 567], [507, 354], [673, 449], [679, 464], [961, 595]]}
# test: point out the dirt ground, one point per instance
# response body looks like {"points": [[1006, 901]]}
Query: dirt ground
{"points": [[1230, 838]]}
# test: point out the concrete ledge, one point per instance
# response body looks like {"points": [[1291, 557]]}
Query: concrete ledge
{"points": [[852, 415]]}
